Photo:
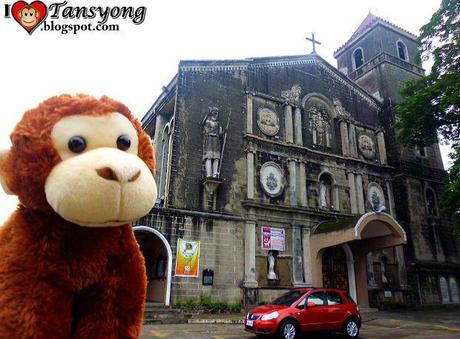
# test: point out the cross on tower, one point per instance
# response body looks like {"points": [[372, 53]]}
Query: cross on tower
{"points": [[313, 42]]}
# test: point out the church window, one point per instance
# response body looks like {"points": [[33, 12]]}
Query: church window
{"points": [[358, 58], [163, 162], [402, 50], [444, 288], [320, 126], [453, 286], [325, 192], [431, 202]]}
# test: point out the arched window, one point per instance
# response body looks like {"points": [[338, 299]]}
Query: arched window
{"points": [[431, 205], [358, 58], [444, 290], [325, 192], [402, 50], [164, 162], [453, 286]]}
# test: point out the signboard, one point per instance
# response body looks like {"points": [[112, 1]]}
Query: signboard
{"points": [[208, 277], [187, 258], [387, 294], [273, 238]]}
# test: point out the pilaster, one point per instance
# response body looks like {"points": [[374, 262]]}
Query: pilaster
{"points": [[381, 146], [302, 184], [298, 126], [307, 263], [352, 186], [292, 182], [249, 113], [344, 138], [288, 128], [360, 193]]}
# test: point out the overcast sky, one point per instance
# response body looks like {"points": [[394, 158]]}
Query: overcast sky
{"points": [[133, 64]]}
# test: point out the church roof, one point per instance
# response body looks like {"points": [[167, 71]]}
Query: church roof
{"points": [[277, 61], [369, 22]]}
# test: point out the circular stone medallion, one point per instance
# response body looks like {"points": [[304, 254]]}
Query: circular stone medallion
{"points": [[272, 179], [268, 121], [366, 146], [375, 194]]}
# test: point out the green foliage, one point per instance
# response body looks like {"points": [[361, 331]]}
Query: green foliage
{"points": [[450, 202], [208, 305], [431, 104]]}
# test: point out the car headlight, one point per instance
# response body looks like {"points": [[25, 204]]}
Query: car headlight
{"points": [[270, 316]]}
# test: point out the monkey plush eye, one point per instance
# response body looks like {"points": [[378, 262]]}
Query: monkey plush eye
{"points": [[77, 144], [123, 142]]}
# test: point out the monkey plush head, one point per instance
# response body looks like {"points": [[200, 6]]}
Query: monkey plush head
{"points": [[86, 159]]}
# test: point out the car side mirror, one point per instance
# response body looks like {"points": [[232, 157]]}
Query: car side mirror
{"points": [[310, 304]]}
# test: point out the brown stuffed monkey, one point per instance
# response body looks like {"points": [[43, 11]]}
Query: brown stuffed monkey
{"points": [[70, 266]]}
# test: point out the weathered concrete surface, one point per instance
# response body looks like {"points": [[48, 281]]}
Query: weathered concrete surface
{"points": [[419, 324]]}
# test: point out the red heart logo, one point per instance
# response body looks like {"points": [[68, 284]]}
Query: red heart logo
{"points": [[29, 16]]}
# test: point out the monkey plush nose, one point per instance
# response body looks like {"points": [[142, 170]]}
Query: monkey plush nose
{"points": [[110, 174]]}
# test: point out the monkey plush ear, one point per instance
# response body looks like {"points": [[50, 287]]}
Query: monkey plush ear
{"points": [[3, 155]]}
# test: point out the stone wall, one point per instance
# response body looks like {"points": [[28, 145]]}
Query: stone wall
{"points": [[221, 243]]}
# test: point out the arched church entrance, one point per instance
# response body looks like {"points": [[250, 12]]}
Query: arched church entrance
{"points": [[158, 263], [335, 270]]}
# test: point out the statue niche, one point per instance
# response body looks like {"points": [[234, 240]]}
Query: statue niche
{"points": [[320, 126]]}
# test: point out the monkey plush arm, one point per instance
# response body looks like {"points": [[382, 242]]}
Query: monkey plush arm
{"points": [[35, 299], [114, 308]]}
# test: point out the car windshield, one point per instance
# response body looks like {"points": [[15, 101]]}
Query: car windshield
{"points": [[288, 299]]}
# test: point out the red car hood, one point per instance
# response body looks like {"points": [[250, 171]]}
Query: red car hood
{"points": [[267, 309]]}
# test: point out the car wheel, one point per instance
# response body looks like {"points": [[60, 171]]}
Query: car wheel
{"points": [[351, 328], [288, 330]]}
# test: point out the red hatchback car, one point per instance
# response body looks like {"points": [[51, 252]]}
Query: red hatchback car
{"points": [[301, 310]]}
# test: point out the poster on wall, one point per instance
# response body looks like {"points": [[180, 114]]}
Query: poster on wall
{"points": [[187, 258], [273, 238]]}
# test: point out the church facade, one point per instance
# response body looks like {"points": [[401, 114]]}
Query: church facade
{"points": [[287, 172]]}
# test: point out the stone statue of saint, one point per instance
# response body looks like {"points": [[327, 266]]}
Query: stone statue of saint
{"points": [[212, 131], [324, 194], [271, 267]]}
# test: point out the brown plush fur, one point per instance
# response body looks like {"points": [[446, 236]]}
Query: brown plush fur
{"points": [[57, 279]]}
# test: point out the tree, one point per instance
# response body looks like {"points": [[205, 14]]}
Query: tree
{"points": [[431, 104]]}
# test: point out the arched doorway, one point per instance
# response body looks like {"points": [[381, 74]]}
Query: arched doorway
{"points": [[335, 269], [158, 263]]}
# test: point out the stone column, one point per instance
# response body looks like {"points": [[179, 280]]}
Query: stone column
{"points": [[352, 138], [297, 267], [381, 146], [360, 194], [250, 254], [336, 197], [344, 137], [288, 128], [402, 272], [292, 182], [298, 126], [249, 113], [307, 264], [251, 176], [302, 184], [352, 186], [361, 280], [391, 202]]}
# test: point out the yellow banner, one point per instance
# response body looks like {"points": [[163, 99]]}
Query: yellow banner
{"points": [[187, 258]]}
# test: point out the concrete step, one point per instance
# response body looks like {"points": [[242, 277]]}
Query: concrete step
{"points": [[368, 313], [159, 314]]}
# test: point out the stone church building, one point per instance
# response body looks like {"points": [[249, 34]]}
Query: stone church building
{"points": [[288, 172]]}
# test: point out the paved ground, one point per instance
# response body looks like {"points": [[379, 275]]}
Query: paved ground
{"points": [[415, 324]]}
